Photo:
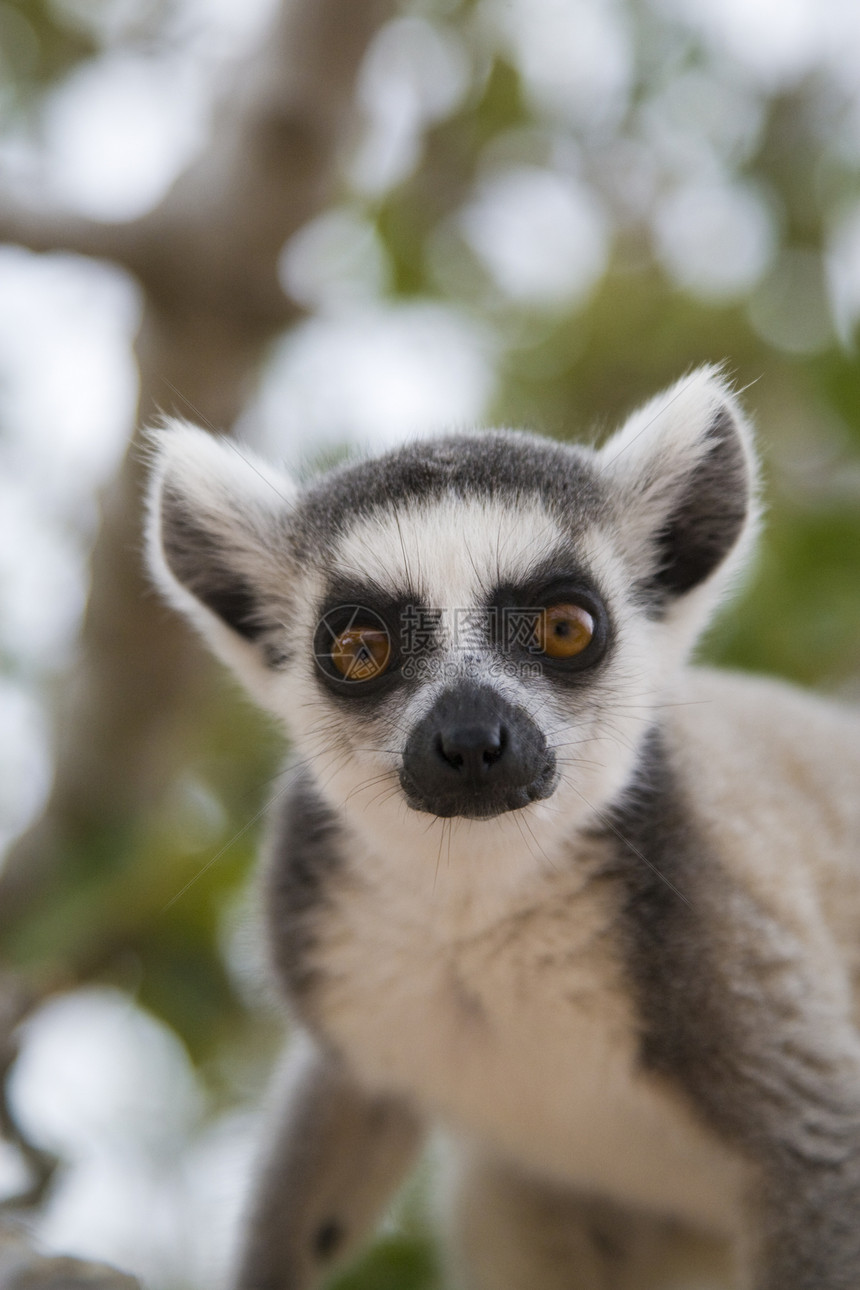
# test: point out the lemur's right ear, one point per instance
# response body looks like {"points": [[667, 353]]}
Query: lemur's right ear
{"points": [[216, 536]]}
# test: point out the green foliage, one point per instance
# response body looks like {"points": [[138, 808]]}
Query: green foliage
{"points": [[36, 46], [401, 1262]]}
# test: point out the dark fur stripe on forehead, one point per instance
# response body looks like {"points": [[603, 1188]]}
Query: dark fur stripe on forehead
{"points": [[497, 464]]}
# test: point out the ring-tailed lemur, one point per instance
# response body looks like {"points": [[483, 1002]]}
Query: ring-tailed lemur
{"points": [[537, 879]]}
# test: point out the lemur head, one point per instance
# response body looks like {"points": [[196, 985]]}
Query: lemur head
{"points": [[477, 628]]}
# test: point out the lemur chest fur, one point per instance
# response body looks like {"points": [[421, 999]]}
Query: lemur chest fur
{"points": [[514, 1026]]}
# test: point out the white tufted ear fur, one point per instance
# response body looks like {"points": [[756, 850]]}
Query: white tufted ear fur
{"points": [[216, 537], [683, 476]]}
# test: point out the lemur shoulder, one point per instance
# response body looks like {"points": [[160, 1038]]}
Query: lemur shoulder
{"points": [[537, 879]]}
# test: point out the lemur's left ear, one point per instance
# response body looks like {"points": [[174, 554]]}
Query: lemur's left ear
{"points": [[682, 474], [216, 537]]}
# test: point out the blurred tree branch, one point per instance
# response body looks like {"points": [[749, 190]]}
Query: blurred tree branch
{"points": [[206, 259], [22, 1269]]}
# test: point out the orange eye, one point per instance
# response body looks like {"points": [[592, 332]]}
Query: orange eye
{"points": [[564, 631], [361, 653]]}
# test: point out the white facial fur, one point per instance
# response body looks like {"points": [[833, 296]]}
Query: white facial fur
{"points": [[452, 549], [455, 552]]}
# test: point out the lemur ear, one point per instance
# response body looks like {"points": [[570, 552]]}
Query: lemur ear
{"points": [[216, 533], [683, 478]]}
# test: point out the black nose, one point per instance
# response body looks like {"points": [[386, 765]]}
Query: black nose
{"points": [[472, 751], [474, 754]]}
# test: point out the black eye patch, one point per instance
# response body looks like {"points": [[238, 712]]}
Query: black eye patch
{"points": [[363, 635], [556, 617]]}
